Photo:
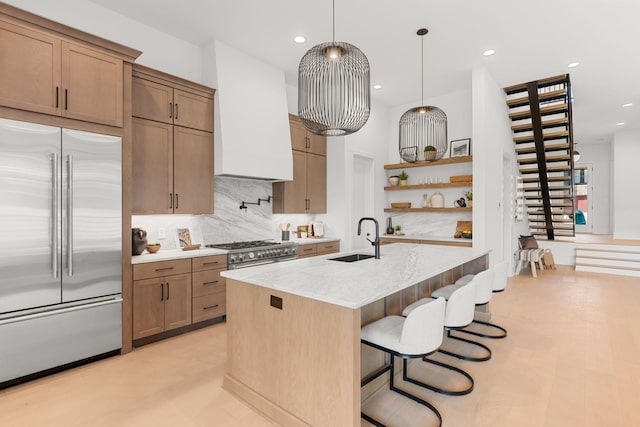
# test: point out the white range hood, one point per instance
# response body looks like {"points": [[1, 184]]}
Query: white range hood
{"points": [[252, 138]]}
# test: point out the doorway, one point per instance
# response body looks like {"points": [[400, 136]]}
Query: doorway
{"points": [[583, 197], [362, 199]]}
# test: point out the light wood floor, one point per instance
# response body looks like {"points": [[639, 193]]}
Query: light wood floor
{"points": [[572, 358]]}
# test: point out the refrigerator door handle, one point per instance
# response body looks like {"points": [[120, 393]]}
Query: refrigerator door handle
{"points": [[54, 215], [69, 215]]}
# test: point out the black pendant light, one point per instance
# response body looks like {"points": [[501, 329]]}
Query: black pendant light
{"points": [[423, 127], [333, 88]]}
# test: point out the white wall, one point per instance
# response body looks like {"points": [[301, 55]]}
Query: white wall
{"points": [[599, 156], [626, 203], [492, 139], [160, 51]]}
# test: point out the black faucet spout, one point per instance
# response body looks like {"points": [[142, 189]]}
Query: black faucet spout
{"points": [[375, 243]]}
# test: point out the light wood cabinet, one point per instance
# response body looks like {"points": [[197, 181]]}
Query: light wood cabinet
{"points": [[172, 145], [156, 98], [314, 249], [161, 297], [43, 73], [209, 288], [307, 192]]}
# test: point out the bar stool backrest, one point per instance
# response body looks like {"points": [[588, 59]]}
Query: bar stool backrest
{"points": [[500, 276], [484, 283], [461, 306], [422, 329]]}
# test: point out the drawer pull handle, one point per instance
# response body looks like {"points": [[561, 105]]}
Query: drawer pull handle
{"points": [[210, 307], [164, 268], [210, 283], [307, 250], [211, 263]]}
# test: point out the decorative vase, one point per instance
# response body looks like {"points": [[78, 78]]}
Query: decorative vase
{"points": [[425, 201], [138, 240], [389, 226], [470, 203], [437, 200], [394, 181], [403, 182]]}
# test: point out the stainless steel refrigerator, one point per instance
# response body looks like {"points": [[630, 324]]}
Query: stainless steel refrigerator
{"points": [[60, 247]]}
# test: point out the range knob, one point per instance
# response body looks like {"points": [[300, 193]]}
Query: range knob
{"points": [[251, 255], [240, 257], [232, 258]]}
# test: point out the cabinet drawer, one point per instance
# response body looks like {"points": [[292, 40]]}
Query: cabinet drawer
{"points": [[307, 250], [208, 282], [162, 268], [209, 262], [328, 247], [209, 306]]}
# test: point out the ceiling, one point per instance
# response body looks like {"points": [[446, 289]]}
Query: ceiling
{"points": [[533, 40]]}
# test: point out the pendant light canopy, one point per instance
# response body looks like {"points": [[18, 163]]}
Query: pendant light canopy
{"points": [[576, 153], [333, 88], [424, 126]]}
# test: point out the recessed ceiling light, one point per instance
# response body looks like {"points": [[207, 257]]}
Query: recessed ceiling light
{"points": [[628, 105], [619, 124], [573, 64], [489, 52], [299, 39], [377, 86]]}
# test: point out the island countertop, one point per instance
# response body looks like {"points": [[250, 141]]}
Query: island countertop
{"points": [[356, 284]]}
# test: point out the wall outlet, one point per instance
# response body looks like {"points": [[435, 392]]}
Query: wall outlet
{"points": [[162, 233]]}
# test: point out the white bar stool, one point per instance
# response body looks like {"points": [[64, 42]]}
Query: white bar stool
{"points": [[458, 314], [483, 293], [417, 335]]}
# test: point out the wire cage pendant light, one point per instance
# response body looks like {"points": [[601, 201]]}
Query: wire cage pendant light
{"points": [[423, 127], [333, 88]]}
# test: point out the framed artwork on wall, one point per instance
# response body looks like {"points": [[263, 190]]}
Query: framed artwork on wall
{"points": [[460, 147]]}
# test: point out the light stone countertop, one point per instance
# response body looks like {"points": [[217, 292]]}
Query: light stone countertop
{"points": [[169, 254], [425, 237], [356, 284]]}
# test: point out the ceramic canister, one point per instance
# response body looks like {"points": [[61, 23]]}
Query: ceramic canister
{"points": [[437, 200]]}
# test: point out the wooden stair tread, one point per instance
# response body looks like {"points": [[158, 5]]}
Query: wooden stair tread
{"points": [[562, 121], [562, 188], [561, 196], [549, 169], [546, 137], [548, 109], [547, 147], [551, 178], [543, 96], [549, 81], [558, 158]]}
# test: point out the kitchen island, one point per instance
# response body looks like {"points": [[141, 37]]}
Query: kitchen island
{"points": [[293, 329]]}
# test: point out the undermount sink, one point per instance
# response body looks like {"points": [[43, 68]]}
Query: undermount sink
{"points": [[352, 257]]}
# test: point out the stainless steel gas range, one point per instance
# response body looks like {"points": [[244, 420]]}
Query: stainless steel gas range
{"points": [[257, 252]]}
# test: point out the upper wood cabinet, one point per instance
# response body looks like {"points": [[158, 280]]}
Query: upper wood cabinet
{"points": [[303, 140], [48, 68], [172, 144], [155, 98], [307, 192]]}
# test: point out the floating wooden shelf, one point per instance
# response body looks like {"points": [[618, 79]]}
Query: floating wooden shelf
{"points": [[429, 210], [446, 161], [424, 186]]}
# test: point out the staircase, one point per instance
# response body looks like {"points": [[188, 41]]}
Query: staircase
{"points": [[540, 113], [608, 259]]}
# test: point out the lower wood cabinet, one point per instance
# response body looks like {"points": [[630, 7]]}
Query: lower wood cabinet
{"points": [[172, 294], [161, 297], [209, 288], [313, 249]]}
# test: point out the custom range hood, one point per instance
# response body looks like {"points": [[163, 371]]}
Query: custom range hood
{"points": [[252, 138]]}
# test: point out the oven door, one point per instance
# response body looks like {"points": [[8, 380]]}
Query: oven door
{"points": [[251, 264]]}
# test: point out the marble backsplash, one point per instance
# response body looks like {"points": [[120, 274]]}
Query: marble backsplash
{"points": [[431, 224], [229, 223]]}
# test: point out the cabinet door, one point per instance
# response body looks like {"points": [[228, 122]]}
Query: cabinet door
{"points": [[295, 193], [317, 144], [316, 183], [298, 134], [152, 167], [148, 307], [92, 85], [29, 70], [193, 111], [152, 100], [192, 171], [177, 301]]}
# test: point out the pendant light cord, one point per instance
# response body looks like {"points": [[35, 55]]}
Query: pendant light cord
{"points": [[334, 21], [422, 69]]}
